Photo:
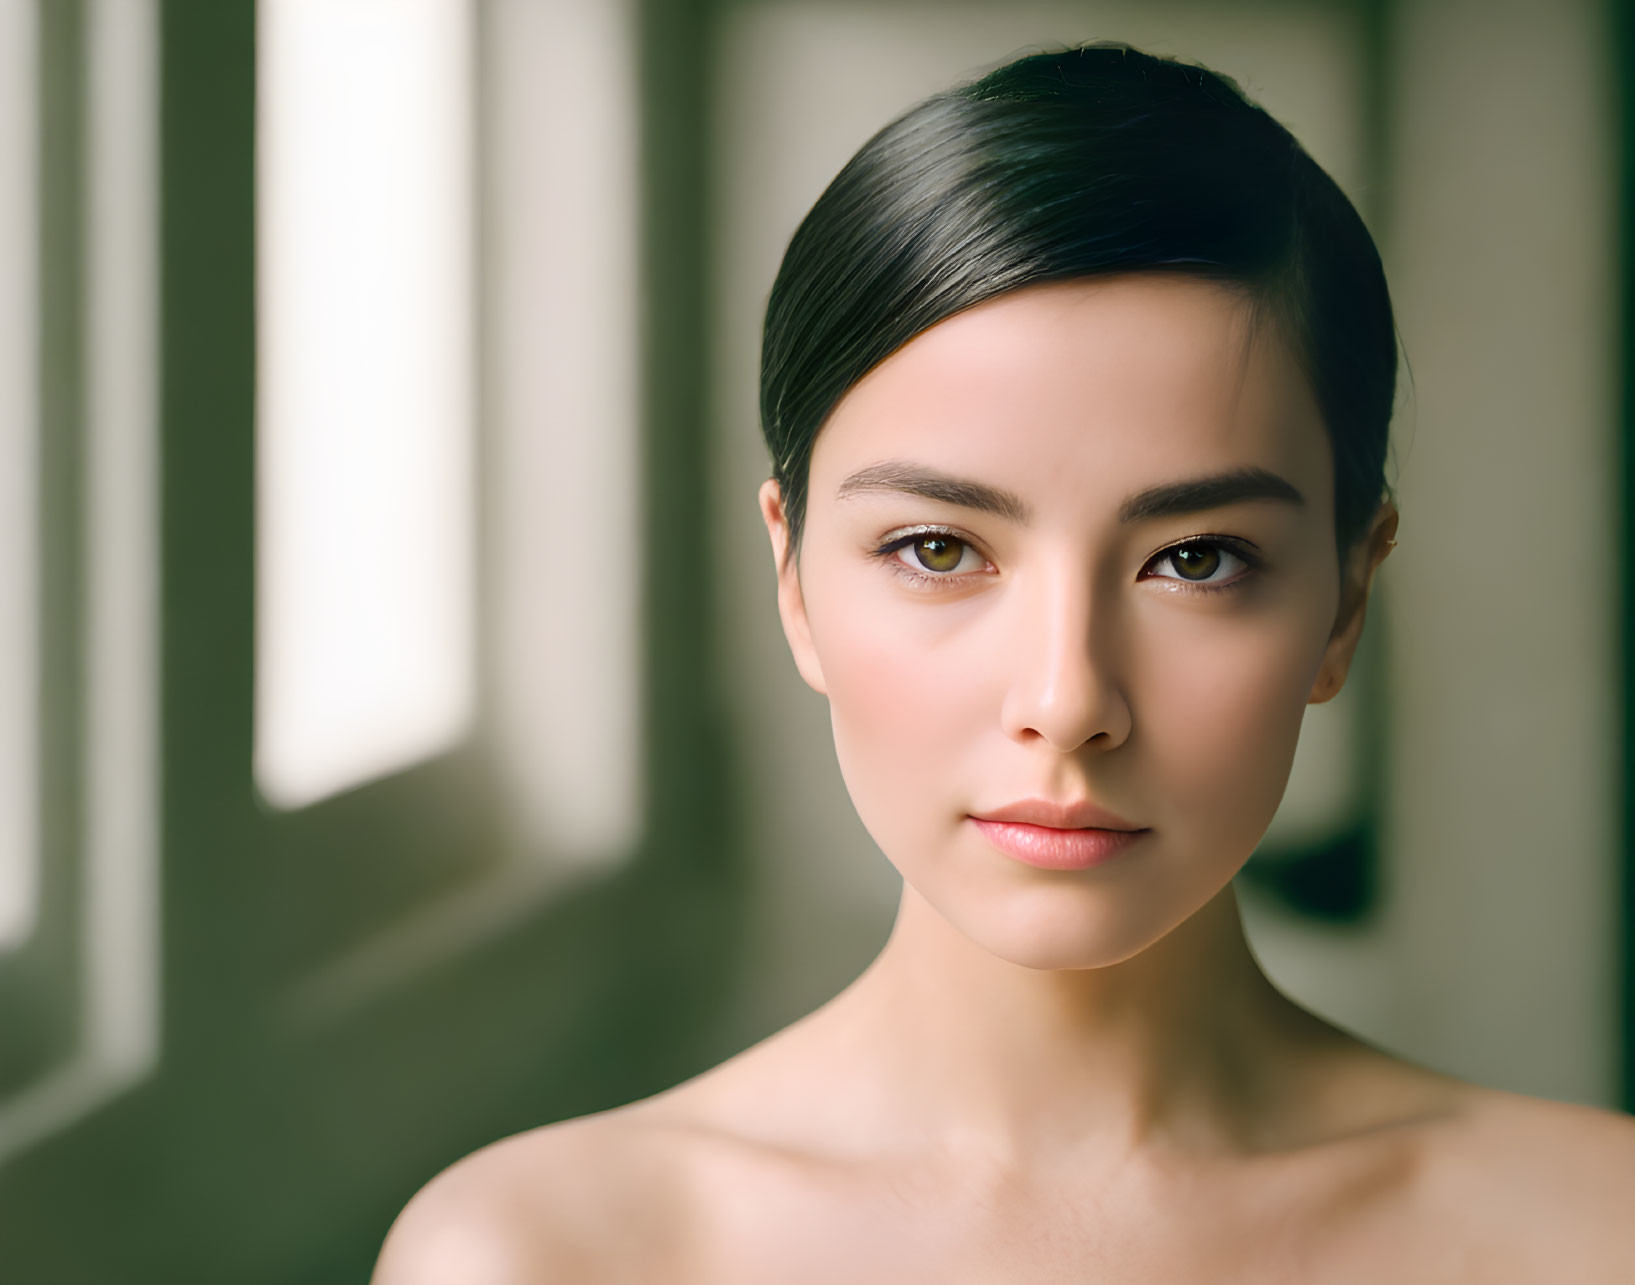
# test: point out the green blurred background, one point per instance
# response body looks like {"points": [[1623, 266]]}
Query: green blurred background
{"points": [[399, 746]]}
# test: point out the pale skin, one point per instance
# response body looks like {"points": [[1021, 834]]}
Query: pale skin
{"points": [[1053, 1075]]}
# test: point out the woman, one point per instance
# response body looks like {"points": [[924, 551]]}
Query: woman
{"points": [[1077, 383]]}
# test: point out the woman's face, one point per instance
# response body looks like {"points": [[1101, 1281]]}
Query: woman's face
{"points": [[1073, 544]]}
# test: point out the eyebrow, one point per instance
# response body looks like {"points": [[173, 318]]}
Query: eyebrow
{"points": [[1168, 499]]}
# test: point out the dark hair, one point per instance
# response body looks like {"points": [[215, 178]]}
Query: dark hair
{"points": [[1095, 160]]}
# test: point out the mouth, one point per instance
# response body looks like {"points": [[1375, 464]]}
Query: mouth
{"points": [[1054, 848]]}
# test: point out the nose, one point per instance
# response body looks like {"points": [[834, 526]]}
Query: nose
{"points": [[1064, 685]]}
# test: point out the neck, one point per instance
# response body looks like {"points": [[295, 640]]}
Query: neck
{"points": [[960, 1049]]}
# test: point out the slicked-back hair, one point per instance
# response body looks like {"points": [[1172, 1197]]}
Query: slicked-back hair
{"points": [[1090, 161]]}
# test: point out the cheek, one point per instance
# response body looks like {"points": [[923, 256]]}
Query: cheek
{"points": [[1219, 711], [903, 706]]}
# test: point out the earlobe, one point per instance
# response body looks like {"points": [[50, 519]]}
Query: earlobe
{"points": [[1342, 645], [791, 601], [1327, 686]]}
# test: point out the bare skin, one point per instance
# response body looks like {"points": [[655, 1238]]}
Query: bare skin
{"points": [[1367, 1169], [1059, 1075]]}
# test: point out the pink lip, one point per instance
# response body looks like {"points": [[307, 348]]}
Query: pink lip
{"points": [[1080, 815], [1051, 848]]}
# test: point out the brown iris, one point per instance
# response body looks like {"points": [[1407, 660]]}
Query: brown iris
{"points": [[1196, 561], [938, 552]]}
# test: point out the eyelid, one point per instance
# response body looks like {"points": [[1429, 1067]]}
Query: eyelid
{"points": [[927, 528], [1245, 549]]}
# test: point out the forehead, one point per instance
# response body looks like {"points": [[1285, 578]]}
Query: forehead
{"points": [[1082, 391]]}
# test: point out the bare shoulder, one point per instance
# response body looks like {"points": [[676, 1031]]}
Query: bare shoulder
{"points": [[586, 1200], [463, 1225], [1552, 1178], [1575, 1150]]}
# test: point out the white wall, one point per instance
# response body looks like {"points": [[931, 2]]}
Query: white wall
{"points": [[1505, 587]]}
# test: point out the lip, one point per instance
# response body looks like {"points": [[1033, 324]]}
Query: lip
{"points": [[1057, 836], [1051, 848], [1081, 815]]}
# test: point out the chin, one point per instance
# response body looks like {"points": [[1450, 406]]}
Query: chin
{"points": [[1057, 957], [1046, 931]]}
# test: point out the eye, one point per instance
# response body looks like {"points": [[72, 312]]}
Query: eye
{"points": [[930, 554], [1208, 563]]}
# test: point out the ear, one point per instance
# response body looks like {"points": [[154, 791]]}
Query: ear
{"points": [[791, 603], [1365, 559]]}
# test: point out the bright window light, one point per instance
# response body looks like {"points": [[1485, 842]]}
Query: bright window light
{"points": [[364, 630]]}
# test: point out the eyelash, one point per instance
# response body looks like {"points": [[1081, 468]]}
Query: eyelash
{"points": [[1237, 548]]}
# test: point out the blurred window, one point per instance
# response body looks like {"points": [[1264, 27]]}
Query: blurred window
{"points": [[79, 559], [19, 474], [365, 417], [567, 514], [120, 755]]}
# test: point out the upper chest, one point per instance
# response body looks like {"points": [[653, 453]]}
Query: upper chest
{"points": [[1365, 1216]]}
